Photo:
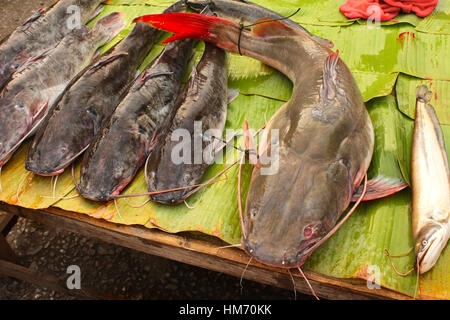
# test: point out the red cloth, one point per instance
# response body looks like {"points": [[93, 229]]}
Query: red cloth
{"points": [[387, 9]]}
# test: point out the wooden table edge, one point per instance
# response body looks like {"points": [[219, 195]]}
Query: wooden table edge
{"points": [[201, 253]]}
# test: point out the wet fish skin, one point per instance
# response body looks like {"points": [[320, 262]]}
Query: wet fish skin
{"points": [[87, 105], [123, 144], [27, 99], [204, 100], [39, 33], [325, 137], [430, 183]]}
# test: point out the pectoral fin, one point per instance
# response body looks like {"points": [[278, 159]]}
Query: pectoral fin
{"points": [[380, 187]]}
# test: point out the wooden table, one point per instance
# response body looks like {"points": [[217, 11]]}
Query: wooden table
{"points": [[191, 248]]}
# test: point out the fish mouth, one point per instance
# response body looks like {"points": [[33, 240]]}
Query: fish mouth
{"points": [[95, 197], [270, 256], [50, 172]]}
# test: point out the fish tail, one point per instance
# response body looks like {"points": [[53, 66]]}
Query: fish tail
{"points": [[187, 25]]}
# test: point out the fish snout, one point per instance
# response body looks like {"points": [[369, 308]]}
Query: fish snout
{"points": [[47, 162], [94, 194]]}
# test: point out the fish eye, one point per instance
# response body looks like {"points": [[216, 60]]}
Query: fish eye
{"points": [[424, 243]]}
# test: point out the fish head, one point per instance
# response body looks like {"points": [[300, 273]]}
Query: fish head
{"points": [[288, 213], [430, 242], [110, 25], [15, 122]]}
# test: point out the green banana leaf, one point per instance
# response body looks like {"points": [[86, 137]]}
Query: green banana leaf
{"points": [[380, 59], [406, 96]]}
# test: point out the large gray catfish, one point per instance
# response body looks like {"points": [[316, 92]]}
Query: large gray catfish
{"points": [[41, 32], [30, 95], [203, 102], [323, 136], [123, 144]]}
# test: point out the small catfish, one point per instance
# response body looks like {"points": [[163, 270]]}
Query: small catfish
{"points": [[89, 102], [322, 138], [123, 144], [200, 119], [41, 32], [30, 95], [430, 182]]}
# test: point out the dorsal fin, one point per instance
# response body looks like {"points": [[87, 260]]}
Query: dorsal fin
{"points": [[268, 27]]}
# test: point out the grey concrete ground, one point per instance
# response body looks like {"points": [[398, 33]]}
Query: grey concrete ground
{"points": [[105, 267]]}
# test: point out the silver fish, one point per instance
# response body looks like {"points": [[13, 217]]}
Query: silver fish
{"points": [[430, 182]]}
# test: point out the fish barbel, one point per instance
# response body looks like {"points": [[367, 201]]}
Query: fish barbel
{"points": [[324, 136], [30, 95], [89, 102], [41, 32], [430, 183]]}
